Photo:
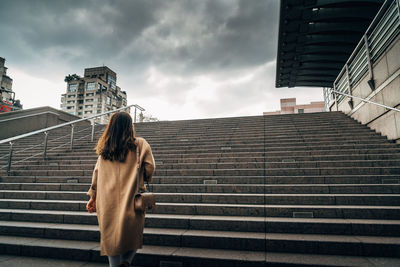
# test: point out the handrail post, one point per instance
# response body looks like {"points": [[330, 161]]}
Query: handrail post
{"points": [[335, 95], [72, 136], [92, 136], [370, 82], [351, 103], [348, 78], [10, 158], [134, 120], [46, 135]]}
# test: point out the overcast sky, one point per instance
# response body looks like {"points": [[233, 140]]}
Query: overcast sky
{"points": [[178, 59]]}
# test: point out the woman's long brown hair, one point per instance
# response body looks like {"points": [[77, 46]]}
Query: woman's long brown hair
{"points": [[117, 139]]}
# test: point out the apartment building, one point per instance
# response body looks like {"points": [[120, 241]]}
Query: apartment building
{"points": [[7, 95], [5, 82], [95, 93]]}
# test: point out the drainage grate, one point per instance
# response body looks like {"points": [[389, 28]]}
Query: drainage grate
{"points": [[303, 214], [226, 148], [72, 181], [288, 160], [210, 182], [171, 264], [390, 181]]}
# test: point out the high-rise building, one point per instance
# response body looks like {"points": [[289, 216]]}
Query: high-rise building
{"points": [[5, 81], [95, 93], [7, 95]]}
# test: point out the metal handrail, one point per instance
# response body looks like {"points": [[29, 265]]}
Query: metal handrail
{"points": [[62, 125], [365, 100], [382, 30], [46, 131]]}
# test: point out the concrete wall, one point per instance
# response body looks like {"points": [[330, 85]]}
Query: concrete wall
{"points": [[28, 120], [387, 91]]}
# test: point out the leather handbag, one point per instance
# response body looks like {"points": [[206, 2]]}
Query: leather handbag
{"points": [[143, 199]]}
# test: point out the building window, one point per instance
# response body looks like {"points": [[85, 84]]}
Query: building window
{"points": [[108, 100], [98, 111], [301, 110], [88, 112], [79, 113], [111, 81], [90, 94], [89, 100], [88, 106], [71, 101], [105, 87], [80, 107], [90, 86], [99, 99], [98, 86], [72, 87]]}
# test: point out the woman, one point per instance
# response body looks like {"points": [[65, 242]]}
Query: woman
{"points": [[114, 185]]}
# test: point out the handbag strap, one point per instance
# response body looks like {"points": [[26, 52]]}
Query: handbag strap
{"points": [[138, 169]]}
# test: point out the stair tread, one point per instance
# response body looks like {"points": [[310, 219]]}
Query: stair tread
{"points": [[220, 205], [224, 234], [214, 185], [219, 217], [222, 194]]}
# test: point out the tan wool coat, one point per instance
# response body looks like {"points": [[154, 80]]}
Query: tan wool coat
{"points": [[114, 185]]}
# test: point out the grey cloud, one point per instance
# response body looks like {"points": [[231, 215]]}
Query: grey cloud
{"points": [[180, 36], [181, 39]]}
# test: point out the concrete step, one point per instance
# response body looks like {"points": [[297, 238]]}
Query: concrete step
{"points": [[215, 223], [147, 256], [23, 261], [225, 188], [240, 164], [219, 258], [216, 159], [226, 172], [247, 241], [234, 198], [319, 211], [238, 180]]}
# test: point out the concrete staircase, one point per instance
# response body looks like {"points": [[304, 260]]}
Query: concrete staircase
{"points": [[306, 189]]}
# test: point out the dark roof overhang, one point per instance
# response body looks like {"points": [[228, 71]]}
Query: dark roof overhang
{"points": [[316, 37]]}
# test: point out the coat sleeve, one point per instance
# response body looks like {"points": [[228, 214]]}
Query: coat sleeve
{"points": [[93, 186], [148, 162]]}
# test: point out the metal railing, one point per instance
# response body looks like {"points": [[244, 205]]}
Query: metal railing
{"points": [[46, 131], [382, 31], [364, 100]]}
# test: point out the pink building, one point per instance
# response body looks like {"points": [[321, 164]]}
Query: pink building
{"points": [[288, 106]]}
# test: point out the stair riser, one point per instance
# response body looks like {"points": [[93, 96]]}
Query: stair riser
{"points": [[201, 224], [244, 164], [351, 247], [248, 189], [328, 212], [381, 200], [234, 172]]}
